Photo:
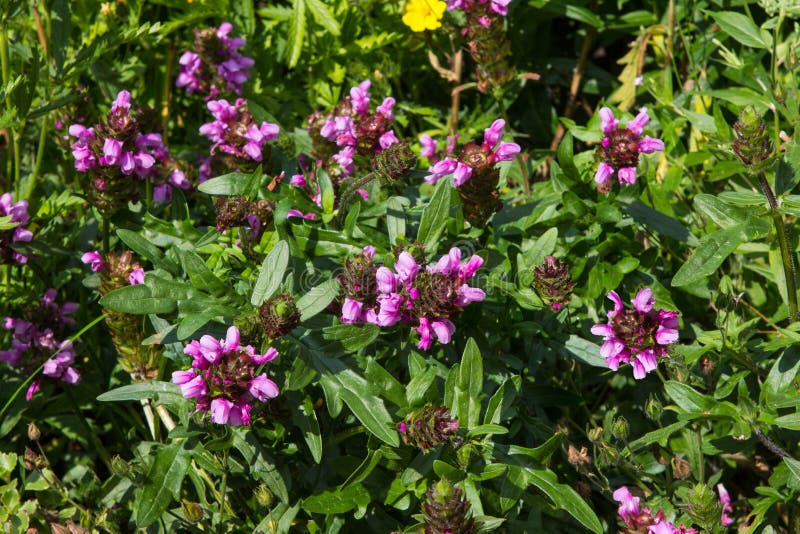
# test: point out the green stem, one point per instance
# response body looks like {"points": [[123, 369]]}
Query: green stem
{"points": [[350, 191], [701, 464], [6, 72], [39, 156], [35, 373], [223, 484], [106, 231], [783, 241]]}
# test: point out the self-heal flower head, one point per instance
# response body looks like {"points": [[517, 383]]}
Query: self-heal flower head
{"points": [[421, 15], [223, 378], [639, 336], [618, 153], [234, 132]]}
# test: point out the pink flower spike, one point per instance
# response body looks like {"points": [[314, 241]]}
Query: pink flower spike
{"points": [[506, 151], [268, 356], [644, 300], [649, 145], [462, 173], [627, 175], [95, 259], [263, 388], [443, 329], [608, 123], [604, 173], [493, 134], [618, 307], [388, 139], [636, 126]]}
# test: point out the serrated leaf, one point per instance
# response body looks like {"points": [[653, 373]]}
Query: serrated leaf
{"points": [[323, 16], [272, 270], [163, 483]]}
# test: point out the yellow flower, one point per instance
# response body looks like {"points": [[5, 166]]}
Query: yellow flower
{"points": [[421, 15]]}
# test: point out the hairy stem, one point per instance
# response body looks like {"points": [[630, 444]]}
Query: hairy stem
{"points": [[787, 257]]}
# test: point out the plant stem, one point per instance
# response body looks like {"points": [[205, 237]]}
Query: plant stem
{"points": [[224, 483], [783, 241], [39, 156], [106, 231], [6, 72]]}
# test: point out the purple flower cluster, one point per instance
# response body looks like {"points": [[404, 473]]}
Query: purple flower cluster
{"points": [[37, 338], [214, 65], [472, 158], [116, 150], [637, 518], [498, 7], [235, 132], [352, 129], [18, 234], [414, 293], [639, 336], [223, 378], [619, 151]]}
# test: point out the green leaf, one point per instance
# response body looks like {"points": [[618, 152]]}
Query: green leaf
{"points": [[469, 386], [163, 483], [585, 351], [272, 270], [355, 392], [317, 299], [262, 465], [661, 435], [659, 222], [486, 430], [232, 184], [162, 392], [146, 249], [790, 421], [353, 337], [364, 470], [722, 213], [543, 452], [337, 501], [395, 219], [200, 275], [688, 398], [742, 28], [323, 16], [709, 255], [435, 216], [779, 386], [382, 383], [564, 497], [297, 31], [794, 469], [60, 28], [502, 400], [306, 420], [137, 299]]}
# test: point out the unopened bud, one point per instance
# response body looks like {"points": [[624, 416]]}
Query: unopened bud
{"points": [[704, 507], [595, 434], [192, 511], [279, 315], [751, 145], [553, 283], [263, 495], [653, 409], [429, 427], [445, 510], [120, 467], [33, 432], [680, 468], [394, 163], [620, 428]]}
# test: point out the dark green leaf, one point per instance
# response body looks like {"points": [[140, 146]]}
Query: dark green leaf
{"points": [[564, 497], [742, 28], [262, 465], [272, 270], [317, 299], [297, 32], [163, 392], [200, 275], [435, 216], [136, 299], [323, 16], [163, 483], [709, 255]]}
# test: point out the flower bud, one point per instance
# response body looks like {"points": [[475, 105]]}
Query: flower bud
{"points": [[120, 467], [704, 507], [445, 510], [751, 145], [279, 315], [192, 511], [653, 409], [595, 434], [394, 163], [33, 432], [263, 495], [429, 427], [620, 428], [680, 468], [553, 283]]}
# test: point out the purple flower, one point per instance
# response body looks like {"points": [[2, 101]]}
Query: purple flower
{"points": [[428, 149], [345, 159], [351, 311], [136, 277], [386, 107], [619, 151], [493, 134], [360, 97], [628, 504], [440, 169], [462, 173], [214, 65], [223, 378], [388, 139], [95, 259], [18, 234], [298, 180], [725, 501], [639, 336], [506, 151]]}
